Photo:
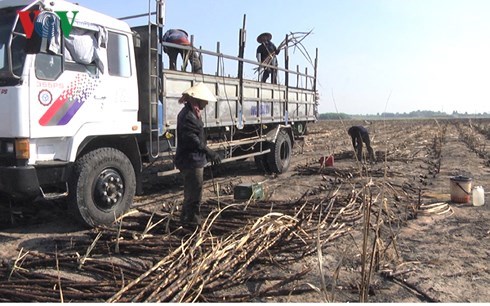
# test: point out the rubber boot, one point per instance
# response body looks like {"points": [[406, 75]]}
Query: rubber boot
{"points": [[190, 214]]}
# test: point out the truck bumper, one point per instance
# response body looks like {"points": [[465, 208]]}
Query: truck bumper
{"points": [[19, 182]]}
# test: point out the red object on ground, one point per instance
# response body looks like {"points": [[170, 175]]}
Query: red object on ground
{"points": [[326, 161]]}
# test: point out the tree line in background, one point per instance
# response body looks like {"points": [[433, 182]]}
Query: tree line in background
{"points": [[414, 114]]}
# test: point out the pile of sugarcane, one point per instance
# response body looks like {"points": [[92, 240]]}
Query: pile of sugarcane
{"points": [[150, 257]]}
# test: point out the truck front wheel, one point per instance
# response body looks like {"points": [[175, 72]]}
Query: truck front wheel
{"points": [[279, 158], [102, 186]]}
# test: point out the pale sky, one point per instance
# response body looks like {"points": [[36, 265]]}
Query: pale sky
{"points": [[374, 55]]}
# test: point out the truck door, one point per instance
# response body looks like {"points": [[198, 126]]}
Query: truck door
{"points": [[91, 85], [121, 84], [64, 83]]}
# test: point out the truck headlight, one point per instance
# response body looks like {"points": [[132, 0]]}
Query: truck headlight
{"points": [[9, 147]]}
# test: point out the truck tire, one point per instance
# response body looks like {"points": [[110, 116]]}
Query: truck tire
{"points": [[279, 158], [102, 187]]}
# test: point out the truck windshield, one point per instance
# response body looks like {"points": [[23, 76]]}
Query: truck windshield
{"points": [[18, 45]]}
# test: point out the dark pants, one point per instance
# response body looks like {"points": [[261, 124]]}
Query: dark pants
{"points": [[187, 56], [357, 140], [270, 70], [193, 180], [272, 73]]}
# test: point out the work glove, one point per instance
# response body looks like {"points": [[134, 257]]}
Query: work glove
{"points": [[213, 157]]}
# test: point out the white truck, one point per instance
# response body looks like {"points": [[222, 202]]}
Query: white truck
{"points": [[86, 103]]}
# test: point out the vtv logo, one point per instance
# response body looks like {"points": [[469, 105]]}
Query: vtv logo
{"points": [[44, 23]]}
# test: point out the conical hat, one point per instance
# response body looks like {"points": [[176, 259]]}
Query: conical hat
{"points": [[201, 92], [264, 37]]}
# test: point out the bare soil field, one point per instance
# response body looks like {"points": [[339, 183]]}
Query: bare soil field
{"points": [[380, 232]]}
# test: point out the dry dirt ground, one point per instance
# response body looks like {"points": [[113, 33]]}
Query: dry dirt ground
{"points": [[397, 237]]}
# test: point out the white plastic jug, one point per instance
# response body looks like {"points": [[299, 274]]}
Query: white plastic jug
{"points": [[478, 196]]}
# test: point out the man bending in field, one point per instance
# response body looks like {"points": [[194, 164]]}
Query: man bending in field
{"points": [[359, 134]]}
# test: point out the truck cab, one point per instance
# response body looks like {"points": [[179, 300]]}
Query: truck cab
{"points": [[65, 82]]}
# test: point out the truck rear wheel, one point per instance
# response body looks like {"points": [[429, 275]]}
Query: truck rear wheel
{"points": [[279, 158], [102, 186]]}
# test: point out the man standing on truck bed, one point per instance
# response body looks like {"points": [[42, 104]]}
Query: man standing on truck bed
{"points": [[192, 150], [180, 37], [266, 53]]}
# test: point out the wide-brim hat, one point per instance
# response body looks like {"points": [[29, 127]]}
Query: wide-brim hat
{"points": [[201, 92], [264, 37]]}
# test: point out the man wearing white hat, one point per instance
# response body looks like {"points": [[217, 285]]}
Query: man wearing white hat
{"points": [[192, 152], [266, 53]]}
